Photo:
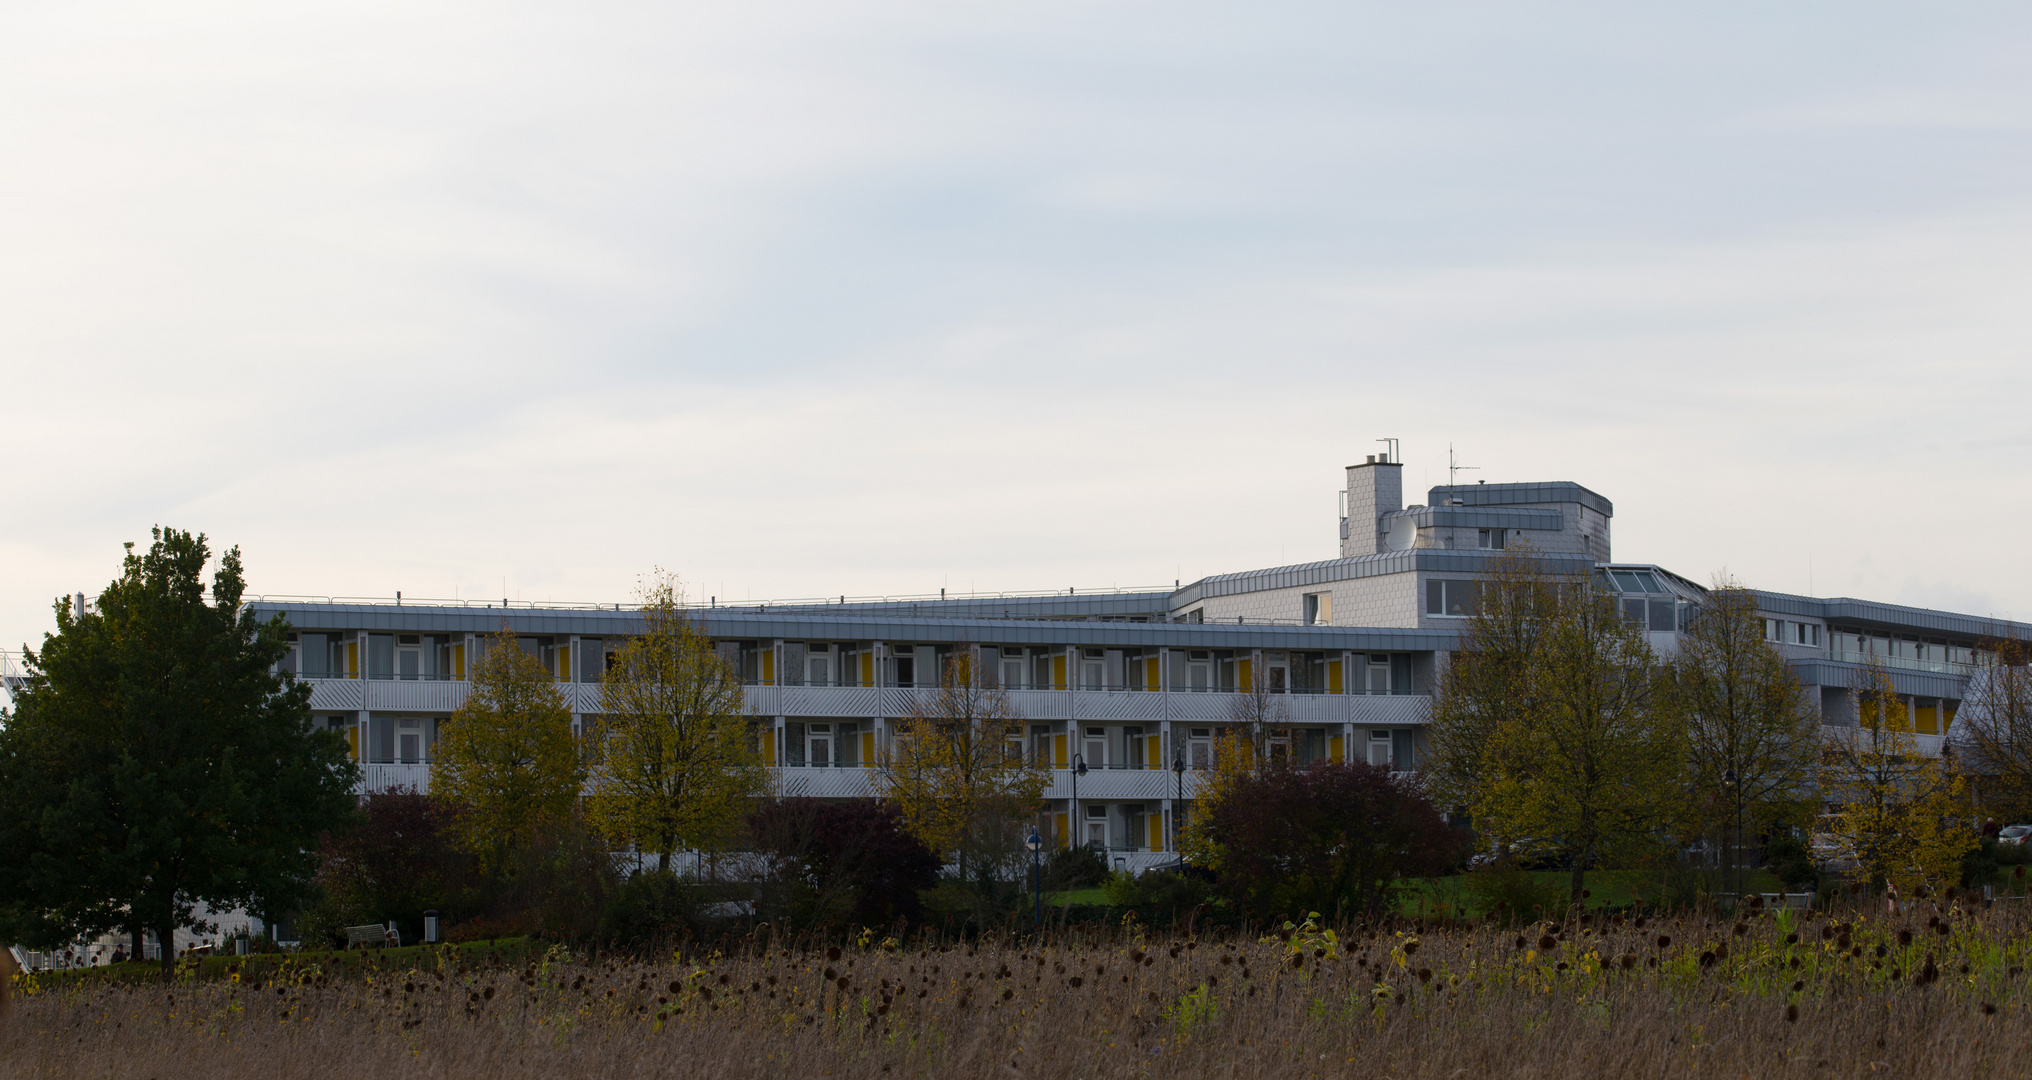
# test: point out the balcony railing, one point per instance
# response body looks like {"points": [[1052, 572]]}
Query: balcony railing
{"points": [[1903, 663]]}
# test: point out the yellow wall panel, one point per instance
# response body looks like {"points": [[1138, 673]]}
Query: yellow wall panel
{"points": [[1333, 676], [352, 659], [1336, 748], [1058, 677], [459, 661], [1058, 751], [769, 667], [1151, 677], [868, 749], [1154, 756], [868, 671], [1244, 668], [353, 742], [1059, 825], [564, 662]]}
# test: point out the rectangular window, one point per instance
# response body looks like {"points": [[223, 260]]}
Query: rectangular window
{"points": [[1633, 611], [1453, 598], [315, 651], [1661, 615], [381, 656], [1491, 539], [1318, 609]]}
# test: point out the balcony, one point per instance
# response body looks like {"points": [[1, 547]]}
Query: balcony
{"points": [[1902, 663], [442, 697], [384, 777]]}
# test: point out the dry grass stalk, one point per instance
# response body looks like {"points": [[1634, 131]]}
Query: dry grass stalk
{"points": [[1718, 997]]}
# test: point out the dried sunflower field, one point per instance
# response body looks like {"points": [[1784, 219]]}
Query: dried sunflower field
{"points": [[1940, 992]]}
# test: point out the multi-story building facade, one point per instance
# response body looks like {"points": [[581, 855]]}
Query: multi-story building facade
{"points": [[1133, 685]]}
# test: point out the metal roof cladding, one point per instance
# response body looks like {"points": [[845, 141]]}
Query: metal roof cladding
{"points": [[827, 626]]}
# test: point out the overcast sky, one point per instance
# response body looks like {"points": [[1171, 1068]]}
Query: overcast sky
{"points": [[798, 300]]}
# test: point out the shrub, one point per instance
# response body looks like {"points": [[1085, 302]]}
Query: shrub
{"points": [[843, 862], [1328, 837], [1081, 867], [648, 909], [399, 862], [1789, 859], [1158, 895], [1516, 894]]}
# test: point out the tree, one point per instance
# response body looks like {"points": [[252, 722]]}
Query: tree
{"points": [[1753, 736], [1993, 730], [1901, 815], [156, 758], [507, 757], [1489, 680], [1257, 736], [1590, 763], [1331, 837], [675, 763], [845, 862], [954, 766]]}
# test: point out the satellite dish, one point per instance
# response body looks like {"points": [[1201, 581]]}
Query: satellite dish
{"points": [[1403, 533]]}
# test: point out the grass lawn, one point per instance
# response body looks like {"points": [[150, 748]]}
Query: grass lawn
{"points": [[1450, 896]]}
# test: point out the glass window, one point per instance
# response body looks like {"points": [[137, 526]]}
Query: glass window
{"points": [[381, 657], [316, 655], [1454, 598], [1661, 615], [1628, 582]]}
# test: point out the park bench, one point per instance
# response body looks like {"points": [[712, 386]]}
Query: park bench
{"points": [[373, 934]]}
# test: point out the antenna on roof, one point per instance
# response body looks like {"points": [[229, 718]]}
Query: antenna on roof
{"points": [[1453, 470], [1390, 455]]}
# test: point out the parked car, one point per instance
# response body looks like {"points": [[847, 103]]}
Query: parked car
{"points": [[2014, 834]]}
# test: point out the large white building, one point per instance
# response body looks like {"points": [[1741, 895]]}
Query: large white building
{"points": [[1126, 683]]}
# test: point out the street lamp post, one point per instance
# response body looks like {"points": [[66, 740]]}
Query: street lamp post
{"points": [[1079, 769], [1177, 804], [1036, 845]]}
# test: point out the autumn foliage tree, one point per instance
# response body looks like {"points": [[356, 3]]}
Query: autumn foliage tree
{"points": [[674, 763], [955, 768], [1901, 814], [1753, 736], [507, 758], [1993, 730]]}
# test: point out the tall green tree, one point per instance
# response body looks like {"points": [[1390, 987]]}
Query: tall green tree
{"points": [[1753, 736], [675, 762], [507, 758], [1490, 678], [1588, 760], [157, 759]]}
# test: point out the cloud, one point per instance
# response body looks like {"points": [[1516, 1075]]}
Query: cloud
{"points": [[810, 300]]}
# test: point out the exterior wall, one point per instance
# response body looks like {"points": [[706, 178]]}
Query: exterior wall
{"points": [[1374, 489]]}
